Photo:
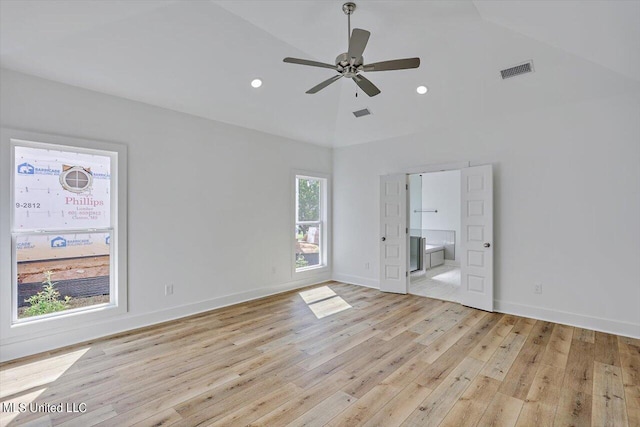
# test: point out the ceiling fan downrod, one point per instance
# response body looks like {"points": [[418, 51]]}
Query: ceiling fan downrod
{"points": [[348, 8]]}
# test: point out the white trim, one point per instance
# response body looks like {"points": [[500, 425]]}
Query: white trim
{"points": [[451, 263], [46, 342], [11, 332], [610, 326], [436, 168]]}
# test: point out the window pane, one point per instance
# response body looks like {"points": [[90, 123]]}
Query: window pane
{"points": [[307, 245], [78, 266], [308, 199], [57, 190]]}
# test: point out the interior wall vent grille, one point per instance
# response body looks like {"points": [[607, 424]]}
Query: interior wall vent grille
{"points": [[362, 113], [527, 67]]}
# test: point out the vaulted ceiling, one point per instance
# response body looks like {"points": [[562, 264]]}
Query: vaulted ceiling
{"points": [[198, 57]]}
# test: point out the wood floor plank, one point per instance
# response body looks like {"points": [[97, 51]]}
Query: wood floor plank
{"points": [[630, 366], [435, 407], [584, 335], [304, 402], [473, 403], [579, 373], [163, 418], [574, 409], [524, 368], [436, 372], [490, 343], [323, 412], [377, 373], [503, 411], [606, 349], [337, 348], [629, 346], [436, 325], [609, 406], [389, 360], [557, 351], [365, 407], [498, 366], [90, 418], [540, 406], [446, 341], [400, 407], [259, 407]]}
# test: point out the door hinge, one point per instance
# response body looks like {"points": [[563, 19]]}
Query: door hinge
{"points": [[406, 230], [406, 274], [406, 186]]}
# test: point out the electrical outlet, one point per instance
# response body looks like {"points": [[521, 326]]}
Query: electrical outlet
{"points": [[168, 290], [366, 266], [537, 288]]}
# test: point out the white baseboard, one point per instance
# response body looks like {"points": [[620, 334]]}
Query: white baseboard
{"points": [[610, 326], [356, 280], [17, 348], [451, 263]]}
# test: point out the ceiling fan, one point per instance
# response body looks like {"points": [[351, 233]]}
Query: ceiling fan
{"points": [[351, 63]]}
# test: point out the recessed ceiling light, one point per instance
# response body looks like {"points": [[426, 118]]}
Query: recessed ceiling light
{"points": [[256, 83], [421, 90]]}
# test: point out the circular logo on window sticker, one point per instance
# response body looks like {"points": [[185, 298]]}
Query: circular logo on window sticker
{"points": [[76, 179]]}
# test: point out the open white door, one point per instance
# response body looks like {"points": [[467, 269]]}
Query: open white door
{"points": [[476, 261], [393, 233]]}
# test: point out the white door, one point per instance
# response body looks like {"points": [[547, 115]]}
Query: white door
{"points": [[476, 262], [393, 233]]}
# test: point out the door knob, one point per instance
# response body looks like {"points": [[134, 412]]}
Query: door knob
{"points": [[487, 245], [384, 238]]}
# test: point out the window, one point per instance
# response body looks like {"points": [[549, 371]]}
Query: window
{"points": [[67, 219], [310, 227]]}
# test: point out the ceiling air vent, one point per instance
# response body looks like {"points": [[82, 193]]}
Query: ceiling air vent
{"points": [[362, 113], [527, 67]]}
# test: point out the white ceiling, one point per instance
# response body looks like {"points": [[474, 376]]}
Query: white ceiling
{"points": [[198, 57]]}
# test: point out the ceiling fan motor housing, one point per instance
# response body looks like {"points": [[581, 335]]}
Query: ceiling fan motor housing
{"points": [[343, 62]]}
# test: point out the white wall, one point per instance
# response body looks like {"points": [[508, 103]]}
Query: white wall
{"points": [[230, 234], [567, 207], [441, 191]]}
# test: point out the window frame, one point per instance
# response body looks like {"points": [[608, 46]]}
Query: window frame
{"points": [[323, 222], [13, 329]]}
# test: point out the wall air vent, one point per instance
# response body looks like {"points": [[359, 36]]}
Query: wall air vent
{"points": [[362, 113], [524, 68]]}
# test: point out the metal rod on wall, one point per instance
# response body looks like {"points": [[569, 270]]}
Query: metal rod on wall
{"points": [[418, 210]]}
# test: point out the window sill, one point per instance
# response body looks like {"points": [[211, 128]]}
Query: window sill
{"points": [[76, 318], [311, 271]]}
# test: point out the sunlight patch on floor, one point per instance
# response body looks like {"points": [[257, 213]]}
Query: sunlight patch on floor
{"points": [[25, 377], [25, 399], [317, 294], [329, 306]]}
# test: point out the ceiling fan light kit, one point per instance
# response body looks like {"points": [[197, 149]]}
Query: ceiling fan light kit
{"points": [[351, 63]]}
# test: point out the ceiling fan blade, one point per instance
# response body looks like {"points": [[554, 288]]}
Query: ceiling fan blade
{"points": [[395, 64], [358, 42], [324, 84], [366, 85], [308, 62]]}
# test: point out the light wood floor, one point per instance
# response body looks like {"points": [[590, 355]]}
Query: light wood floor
{"points": [[387, 360]]}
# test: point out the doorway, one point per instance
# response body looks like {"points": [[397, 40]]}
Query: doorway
{"points": [[434, 234], [474, 245]]}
